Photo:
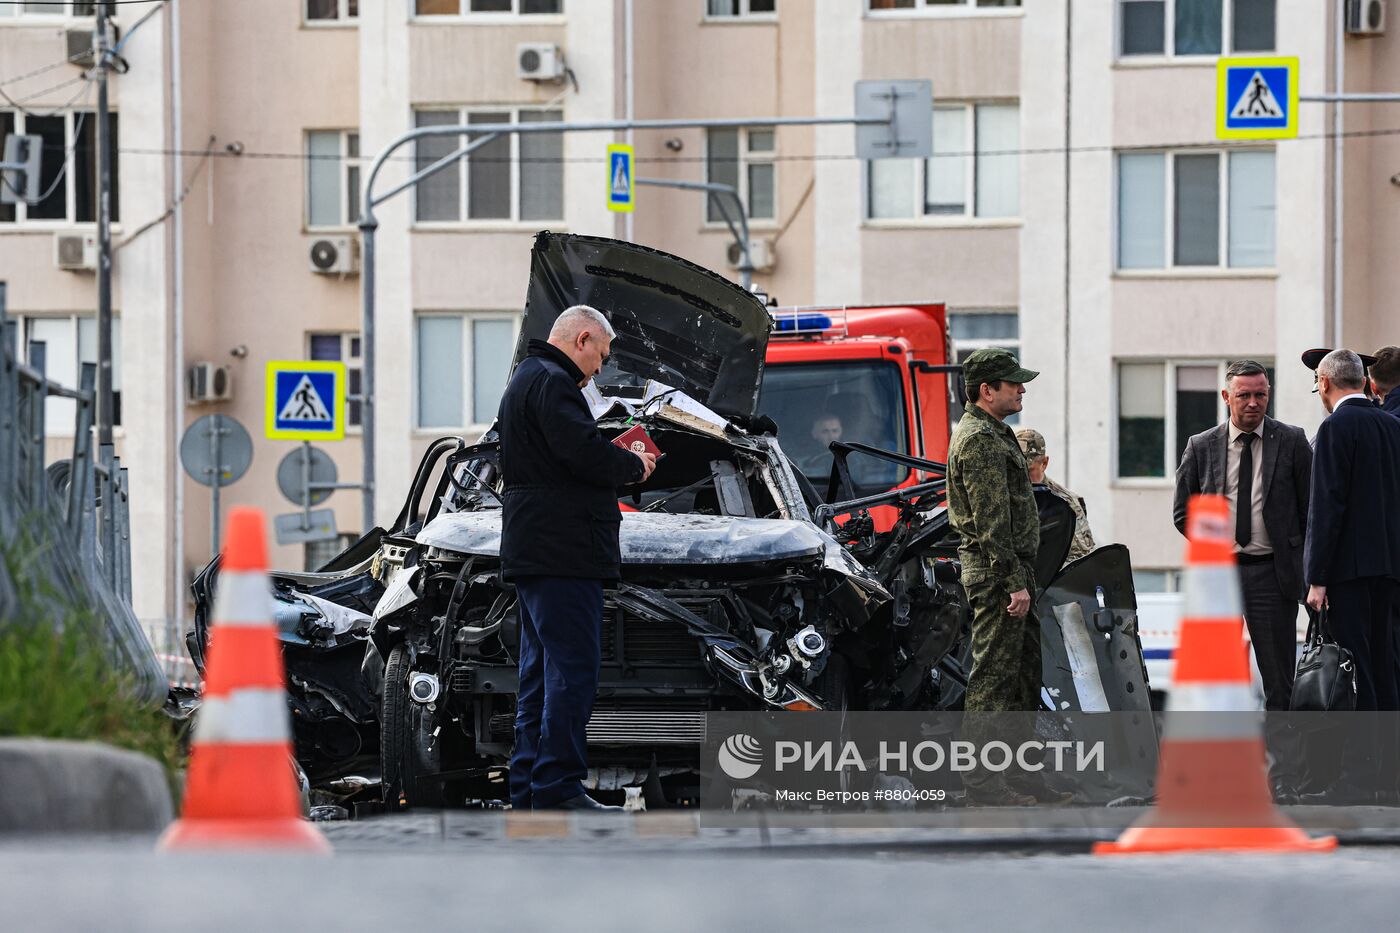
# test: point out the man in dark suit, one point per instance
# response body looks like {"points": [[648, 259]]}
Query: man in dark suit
{"points": [[559, 544], [1352, 559], [1262, 466]]}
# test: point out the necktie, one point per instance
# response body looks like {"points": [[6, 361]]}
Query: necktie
{"points": [[1244, 493]]}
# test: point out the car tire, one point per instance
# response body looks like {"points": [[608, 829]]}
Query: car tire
{"points": [[405, 740]]}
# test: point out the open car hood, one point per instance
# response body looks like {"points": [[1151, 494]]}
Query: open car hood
{"points": [[648, 538], [676, 323]]}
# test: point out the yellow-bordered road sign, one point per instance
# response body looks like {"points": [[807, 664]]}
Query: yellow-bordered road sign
{"points": [[1256, 98], [305, 400], [622, 188]]}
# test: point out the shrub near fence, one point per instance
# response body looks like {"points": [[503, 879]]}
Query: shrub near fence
{"points": [[67, 526]]}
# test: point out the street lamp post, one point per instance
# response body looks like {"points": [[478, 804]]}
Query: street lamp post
{"points": [[896, 96]]}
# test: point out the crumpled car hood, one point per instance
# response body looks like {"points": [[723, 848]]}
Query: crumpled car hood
{"points": [[676, 323], [659, 538]]}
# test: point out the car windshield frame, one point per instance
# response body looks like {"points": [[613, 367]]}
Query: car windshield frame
{"points": [[801, 449]]}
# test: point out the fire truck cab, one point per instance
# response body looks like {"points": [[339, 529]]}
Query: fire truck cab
{"points": [[876, 375]]}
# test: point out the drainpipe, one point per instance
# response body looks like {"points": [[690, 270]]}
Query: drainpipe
{"points": [[1338, 87], [177, 349], [628, 82]]}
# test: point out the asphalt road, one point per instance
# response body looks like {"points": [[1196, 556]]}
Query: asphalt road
{"points": [[408, 875]]}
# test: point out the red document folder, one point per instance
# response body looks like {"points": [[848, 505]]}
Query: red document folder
{"points": [[637, 440]]}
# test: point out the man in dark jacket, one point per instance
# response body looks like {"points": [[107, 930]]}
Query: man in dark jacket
{"points": [[1267, 464], [1385, 379], [559, 544], [1352, 557]]}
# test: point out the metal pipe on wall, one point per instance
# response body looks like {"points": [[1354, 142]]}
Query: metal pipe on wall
{"points": [[1338, 87]]}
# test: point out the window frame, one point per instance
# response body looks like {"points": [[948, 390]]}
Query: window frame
{"points": [[69, 220], [969, 217], [348, 163], [23, 323], [354, 362], [466, 222], [465, 14], [1170, 266], [1168, 53], [341, 20], [1171, 458], [927, 8], [747, 157], [745, 15], [467, 356], [18, 15]]}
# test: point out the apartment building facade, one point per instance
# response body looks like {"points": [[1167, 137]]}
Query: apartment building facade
{"points": [[1077, 210]]}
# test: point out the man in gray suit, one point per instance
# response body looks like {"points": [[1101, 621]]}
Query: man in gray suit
{"points": [[1264, 467]]}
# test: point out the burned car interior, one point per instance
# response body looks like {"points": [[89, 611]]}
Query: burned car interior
{"points": [[744, 587]]}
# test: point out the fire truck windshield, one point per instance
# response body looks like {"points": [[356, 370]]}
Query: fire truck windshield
{"points": [[817, 403]]}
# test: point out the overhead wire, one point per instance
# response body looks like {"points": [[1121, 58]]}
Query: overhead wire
{"points": [[811, 157], [47, 68], [184, 193]]}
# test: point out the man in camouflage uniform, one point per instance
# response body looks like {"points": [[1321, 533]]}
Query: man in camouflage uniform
{"points": [[1033, 446], [992, 509]]}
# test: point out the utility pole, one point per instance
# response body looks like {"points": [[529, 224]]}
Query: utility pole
{"points": [[104, 231]]}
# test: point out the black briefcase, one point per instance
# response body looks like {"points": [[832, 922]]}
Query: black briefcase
{"points": [[1325, 681]]}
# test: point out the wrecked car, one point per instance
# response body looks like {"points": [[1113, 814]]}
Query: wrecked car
{"points": [[743, 587]]}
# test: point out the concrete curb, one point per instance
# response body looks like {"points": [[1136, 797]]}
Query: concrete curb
{"points": [[57, 786]]}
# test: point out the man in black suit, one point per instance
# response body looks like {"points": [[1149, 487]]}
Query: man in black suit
{"points": [[1262, 466], [1352, 558]]}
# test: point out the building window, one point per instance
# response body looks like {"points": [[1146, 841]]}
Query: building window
{"points": [[70, 340], [470, 7], [67, 170], [344, 348], [1183, 209], [1154, 581], [331, 11], [514, 177], [81, 9], [743, 158], [1194, 27], [977, 330], [1161, 404], [936, 6], [731, 9], [463, 361], [974, 172], [332, 178]]}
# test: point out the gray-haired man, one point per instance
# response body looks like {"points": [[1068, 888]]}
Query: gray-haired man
{"points": [[559, 544]]}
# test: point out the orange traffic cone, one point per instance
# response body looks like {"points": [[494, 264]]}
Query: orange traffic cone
{"points": [[241, 792], [1212, 787]]}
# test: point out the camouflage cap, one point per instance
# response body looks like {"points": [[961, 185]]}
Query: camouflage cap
{"points": [[1032, 442], [994, 364]]}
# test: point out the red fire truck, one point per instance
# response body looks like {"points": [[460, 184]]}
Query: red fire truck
{"points": [[877, 375]]}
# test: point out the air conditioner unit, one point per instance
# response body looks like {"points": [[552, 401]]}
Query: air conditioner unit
{"points": [[208, 382], [539, 61], [762, 254], [335, 255], [1365, 17], [75, 251]]}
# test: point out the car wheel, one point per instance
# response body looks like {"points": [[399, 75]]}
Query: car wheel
{"points": [[834, 688], [407, 746]]}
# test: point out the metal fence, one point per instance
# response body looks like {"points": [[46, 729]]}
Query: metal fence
{"points": [[75, 511]]}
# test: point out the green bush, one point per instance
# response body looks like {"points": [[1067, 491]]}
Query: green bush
{"points": [[56, 677]]}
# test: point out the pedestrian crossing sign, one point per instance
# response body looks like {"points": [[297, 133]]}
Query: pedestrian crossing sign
{"points": [[621, 184], [1256, 98], [305, 400]]}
